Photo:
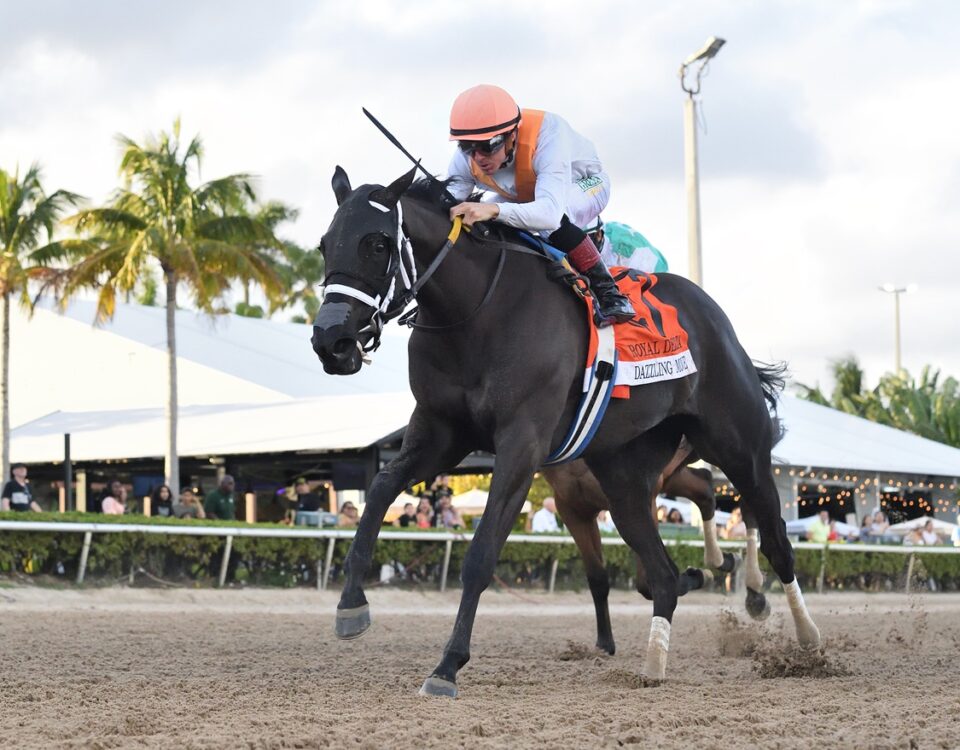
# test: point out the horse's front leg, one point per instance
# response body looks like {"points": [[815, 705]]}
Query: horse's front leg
{"points": [[430, 446], [518, 457]]}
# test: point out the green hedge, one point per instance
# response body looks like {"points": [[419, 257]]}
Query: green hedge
{"points": [[276, 561]]}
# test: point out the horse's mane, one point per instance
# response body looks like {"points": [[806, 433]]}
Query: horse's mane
{"points": [[430, 190]]}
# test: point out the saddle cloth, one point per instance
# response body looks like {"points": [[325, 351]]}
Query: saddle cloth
{"points": [[653, 346]]}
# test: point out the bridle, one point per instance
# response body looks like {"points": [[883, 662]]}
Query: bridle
{"points": [[401, 283]]}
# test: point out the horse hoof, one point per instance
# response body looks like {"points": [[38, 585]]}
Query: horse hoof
{"points": [[731, 561], [757, 605], [650, 682], [352, 623], [608, 648], [437, 686]]}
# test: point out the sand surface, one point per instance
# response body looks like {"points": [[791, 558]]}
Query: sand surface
{"points": [[261, 669]]}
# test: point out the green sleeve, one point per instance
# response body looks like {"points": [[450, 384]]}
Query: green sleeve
{"points": [[210, 505]]}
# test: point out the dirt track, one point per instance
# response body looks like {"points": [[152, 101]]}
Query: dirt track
{"points": [[261, 669]]}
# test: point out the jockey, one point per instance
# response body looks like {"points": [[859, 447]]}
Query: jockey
{"points": [[623, 246], [543, 176]]}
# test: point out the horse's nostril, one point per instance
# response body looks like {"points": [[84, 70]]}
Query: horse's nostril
{"points": [[342, 346]]}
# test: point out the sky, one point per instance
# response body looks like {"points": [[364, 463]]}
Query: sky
{"points": [[829, 154]]}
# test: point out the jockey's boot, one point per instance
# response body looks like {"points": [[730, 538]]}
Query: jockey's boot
{"points": [[611, 305]]}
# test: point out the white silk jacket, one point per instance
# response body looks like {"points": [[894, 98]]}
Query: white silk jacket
{"points": [[562, 159]]}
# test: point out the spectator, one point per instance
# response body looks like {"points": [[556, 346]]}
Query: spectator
{"points": [[440, 489], [16, 492], [221, 504], [449, 517], [424, 512], [161, 502], [675, 516], [189, 505], [408, 518], [913, 537], [819, 531], [865, 527], [349, 517], [545, 520], [113, 501], [735, 528], [879, 526], [661, 513], [929, 536], [309, 504], [605, 522]]}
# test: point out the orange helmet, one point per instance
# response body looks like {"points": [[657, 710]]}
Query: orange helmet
{"points": [[483, 112]]}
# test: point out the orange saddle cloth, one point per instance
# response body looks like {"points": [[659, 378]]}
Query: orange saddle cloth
{"points": [[651, 347]]}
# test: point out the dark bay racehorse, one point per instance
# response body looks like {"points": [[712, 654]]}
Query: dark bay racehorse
{"points": [[502, 371]]}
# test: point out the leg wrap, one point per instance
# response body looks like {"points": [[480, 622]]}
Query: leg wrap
{"points": [[657, 648], [754, 577], [807, 632], [712, 556]]}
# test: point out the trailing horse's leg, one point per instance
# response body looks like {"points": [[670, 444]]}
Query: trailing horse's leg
{"points": [[579, 498], [582, 524], [517, 459], [429, 447], [629, 490], [697, 486], [757, 605]]}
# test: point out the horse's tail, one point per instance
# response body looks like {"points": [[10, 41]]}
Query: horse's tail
{"points": [[773, 379]]}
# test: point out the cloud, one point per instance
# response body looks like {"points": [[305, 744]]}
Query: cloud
{"points": [[829, 163]]}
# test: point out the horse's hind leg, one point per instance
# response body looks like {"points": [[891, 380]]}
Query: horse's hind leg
{"points": [[579, 498], [629, 491], [429, 447], [749, 470], [756, 603]]}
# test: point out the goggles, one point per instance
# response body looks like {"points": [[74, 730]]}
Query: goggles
{"points": [[484, 147]]}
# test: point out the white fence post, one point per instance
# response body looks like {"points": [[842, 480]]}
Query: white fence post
{"points": [[226, 560], [328, 562], [84, 553], [446, 564]]}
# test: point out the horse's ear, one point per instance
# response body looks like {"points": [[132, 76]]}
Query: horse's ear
{"points": [[389, 195], [341, 184]]}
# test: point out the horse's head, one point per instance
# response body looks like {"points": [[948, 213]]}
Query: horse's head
{"points": [[361, 249]]}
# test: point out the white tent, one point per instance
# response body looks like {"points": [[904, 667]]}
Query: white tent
{"points": [[112, 375], [941, 527], [472, 502]]}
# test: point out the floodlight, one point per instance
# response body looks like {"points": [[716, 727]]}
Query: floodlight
{"points": [[710, 48]]}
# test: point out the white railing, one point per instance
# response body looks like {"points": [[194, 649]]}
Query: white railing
{"points": [[447, 537]]}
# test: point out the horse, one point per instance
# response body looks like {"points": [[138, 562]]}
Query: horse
{"points": [[496, 364], [579, 500]]}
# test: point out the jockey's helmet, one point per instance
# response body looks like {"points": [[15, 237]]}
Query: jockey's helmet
{"points": [[480, 114]]}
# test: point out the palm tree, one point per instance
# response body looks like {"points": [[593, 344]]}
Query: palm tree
{"points": [[27, 215], [304, 273], [929, 408], [201, 238]]}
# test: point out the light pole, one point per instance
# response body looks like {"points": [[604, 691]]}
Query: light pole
{"points": [[896, 291], [703, 56]]}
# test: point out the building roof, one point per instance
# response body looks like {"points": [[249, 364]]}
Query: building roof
{"points": [[820, 436], [318, 424], [249, 385]]}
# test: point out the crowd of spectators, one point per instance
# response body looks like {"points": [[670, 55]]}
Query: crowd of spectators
{"points": [[309, 502]]}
